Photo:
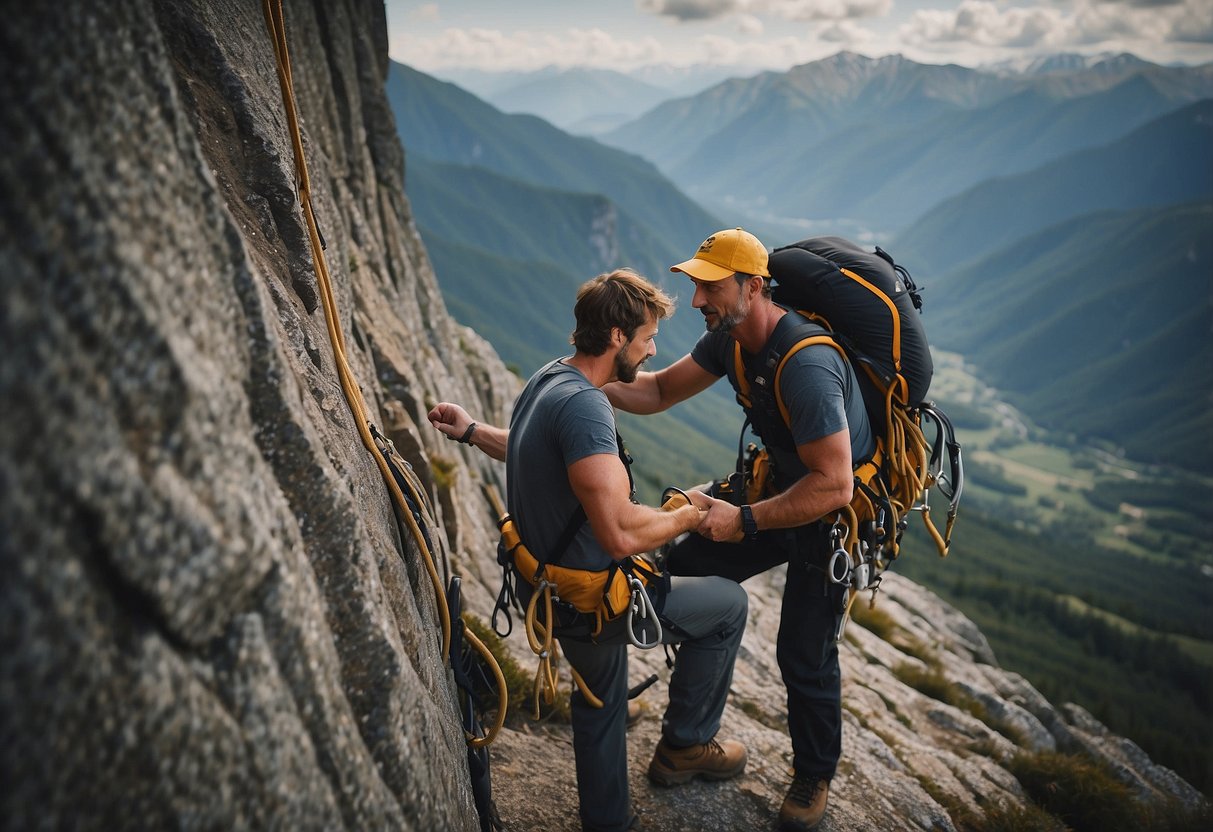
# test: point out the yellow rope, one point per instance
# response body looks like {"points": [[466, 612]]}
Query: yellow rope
{"points": [[503, 693], [353, 394]]}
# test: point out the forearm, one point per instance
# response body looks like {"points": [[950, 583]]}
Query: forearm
{"points": [[642, 529], [811, 497], [490, 439]]}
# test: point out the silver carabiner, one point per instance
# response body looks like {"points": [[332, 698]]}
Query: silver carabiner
{"points": [[641, 605], [840, 566]]}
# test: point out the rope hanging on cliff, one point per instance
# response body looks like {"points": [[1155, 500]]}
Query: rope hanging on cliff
{"points": [[353, 394]]}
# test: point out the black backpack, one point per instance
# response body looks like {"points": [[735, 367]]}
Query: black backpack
{"points": [[868, 308]]}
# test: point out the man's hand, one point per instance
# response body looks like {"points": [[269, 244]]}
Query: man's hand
{"points": [[450, 419], [722, 522]]}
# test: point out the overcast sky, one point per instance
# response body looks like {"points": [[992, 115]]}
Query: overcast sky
{"points": [[777, 34]]}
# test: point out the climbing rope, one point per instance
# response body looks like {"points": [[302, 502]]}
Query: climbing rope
{"points": [[275, 22], [353, 394]]}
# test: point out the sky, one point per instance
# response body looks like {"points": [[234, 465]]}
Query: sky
{"points": [[778, 34]]}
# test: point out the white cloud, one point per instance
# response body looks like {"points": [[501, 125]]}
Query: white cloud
{"points": [[984, 24], [525, 49], [426, 13], [845, 33], [1119, 24], [815, 10], [748, 24], [821, 10]]}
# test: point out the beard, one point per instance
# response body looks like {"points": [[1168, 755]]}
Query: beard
{"points": [[624, 371], [729, 319]]}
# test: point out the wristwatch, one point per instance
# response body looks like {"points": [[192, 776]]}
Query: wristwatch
{"points": [[748, 527]]}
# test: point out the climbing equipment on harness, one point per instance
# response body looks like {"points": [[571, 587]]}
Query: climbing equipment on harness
{"points": [[568, 598], [601, 595]]}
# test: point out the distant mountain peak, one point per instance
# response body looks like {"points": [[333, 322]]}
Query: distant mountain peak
{"points": [[1069, 62]]}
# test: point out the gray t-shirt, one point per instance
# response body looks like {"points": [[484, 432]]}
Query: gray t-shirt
{"points": [[559, 419], [819, 389]]}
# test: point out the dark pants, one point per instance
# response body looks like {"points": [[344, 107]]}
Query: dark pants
{"points": [[707, 617], [806, 651]]}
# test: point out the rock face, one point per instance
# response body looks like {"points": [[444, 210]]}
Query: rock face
{"points": [[210, 619]]}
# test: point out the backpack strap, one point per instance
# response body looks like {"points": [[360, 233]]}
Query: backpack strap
{"points": [[797, 347], [794, 332], [901, 387]]}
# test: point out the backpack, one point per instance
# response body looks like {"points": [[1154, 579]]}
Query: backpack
{"points": [[866, 307]]}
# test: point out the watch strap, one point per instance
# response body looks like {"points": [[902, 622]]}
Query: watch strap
{"points": [[748, 527]]}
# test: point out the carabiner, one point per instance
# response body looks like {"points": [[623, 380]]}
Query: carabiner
{"points": [[641, 605], [840, 566]]}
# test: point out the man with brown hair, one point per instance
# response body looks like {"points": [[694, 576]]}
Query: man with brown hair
{"points": [[811, 455], [567, 480]]}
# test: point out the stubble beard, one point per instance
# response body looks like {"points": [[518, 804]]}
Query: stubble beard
{"points": [[726, 322]]}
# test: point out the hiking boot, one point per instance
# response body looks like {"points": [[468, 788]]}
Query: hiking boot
{"points": [[805, 804], [711, 761]]}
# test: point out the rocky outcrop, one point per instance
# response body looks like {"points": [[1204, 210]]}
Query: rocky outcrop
{"points": [[911, 761], [210, 619]]}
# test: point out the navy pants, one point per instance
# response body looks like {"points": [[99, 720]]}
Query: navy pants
{"points": [[806, 651]]}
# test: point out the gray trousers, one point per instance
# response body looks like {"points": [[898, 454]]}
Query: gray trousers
{"points": [[707, 616]]}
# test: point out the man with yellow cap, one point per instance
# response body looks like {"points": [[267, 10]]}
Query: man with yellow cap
{"points": [[811, 454]]}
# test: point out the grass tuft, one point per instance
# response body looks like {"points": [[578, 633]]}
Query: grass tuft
{"points": [[1083, 793], [874, 619]]}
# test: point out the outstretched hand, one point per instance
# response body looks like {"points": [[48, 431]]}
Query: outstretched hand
{"points": [[450, 419], [721, 522]]}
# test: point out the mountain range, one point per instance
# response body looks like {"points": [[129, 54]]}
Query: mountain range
{"points": [[516, 215], [881, 141], [1028, 179], [584, 100]]}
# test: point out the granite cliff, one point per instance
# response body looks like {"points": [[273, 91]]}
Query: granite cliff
{"points": [[209, 617]]}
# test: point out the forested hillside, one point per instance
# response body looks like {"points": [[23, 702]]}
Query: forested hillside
{"points": [[1164, 162], [517, 214]]}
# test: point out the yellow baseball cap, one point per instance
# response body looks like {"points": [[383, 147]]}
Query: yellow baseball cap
{"points": [[723, 254]]}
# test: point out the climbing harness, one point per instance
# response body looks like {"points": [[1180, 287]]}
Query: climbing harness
{"points": [[575, 600]]}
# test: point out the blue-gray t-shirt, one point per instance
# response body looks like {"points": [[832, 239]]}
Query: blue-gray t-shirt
{"points": [[819, 388], [560, 418]]}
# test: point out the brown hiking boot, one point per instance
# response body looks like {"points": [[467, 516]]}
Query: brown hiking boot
{"points": [[805, 804], [711, 761]]}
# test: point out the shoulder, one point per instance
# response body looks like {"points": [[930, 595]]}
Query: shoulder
{"points": [[712, 351]]}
